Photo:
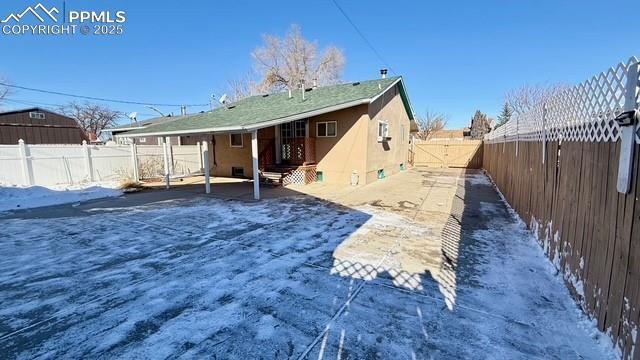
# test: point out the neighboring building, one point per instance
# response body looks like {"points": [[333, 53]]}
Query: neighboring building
{"points": [[118, 131], [455, 134], [39, 126], [355, 132]]}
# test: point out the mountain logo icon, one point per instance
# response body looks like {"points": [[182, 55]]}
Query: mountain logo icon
{"points": [[39, 11]]}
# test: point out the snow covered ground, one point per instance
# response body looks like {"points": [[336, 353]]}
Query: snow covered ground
{"points": [[227, 279], [19, 197]]}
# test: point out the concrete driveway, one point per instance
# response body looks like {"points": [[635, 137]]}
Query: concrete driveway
{"points": [[424, 264]]}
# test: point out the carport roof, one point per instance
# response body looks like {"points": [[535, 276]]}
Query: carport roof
{"points": [[270, 109]]}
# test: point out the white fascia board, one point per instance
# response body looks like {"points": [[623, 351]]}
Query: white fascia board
{"points": [[385, 90], [405, 91], [253, 127], [124, 129]]}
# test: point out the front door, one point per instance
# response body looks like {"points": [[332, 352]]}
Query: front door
{"points": [[292, 135]]}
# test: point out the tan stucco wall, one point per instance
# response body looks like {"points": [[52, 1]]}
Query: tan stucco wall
{"points": [[338, 156], [227, 157], [389, 155]]}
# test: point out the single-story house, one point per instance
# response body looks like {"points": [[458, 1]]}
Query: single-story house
{"points": [[39, 126], [352, 133]]}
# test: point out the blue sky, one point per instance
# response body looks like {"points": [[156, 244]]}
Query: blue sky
{"points": [[455, 56]]}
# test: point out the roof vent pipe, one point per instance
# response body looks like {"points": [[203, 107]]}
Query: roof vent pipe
{"points": [[383, 73], [315, 83], [302, 88], [289, 93]]}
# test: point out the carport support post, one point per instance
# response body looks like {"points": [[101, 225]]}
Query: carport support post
{"points": [[205, 161], [166, 161], [254, 156]]}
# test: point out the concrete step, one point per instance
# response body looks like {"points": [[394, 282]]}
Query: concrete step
{"points": [[271, 177]]}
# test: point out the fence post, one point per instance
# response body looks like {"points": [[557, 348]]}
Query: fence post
{"points": [[544, 131], [517, 134], [88, 166], [204, 159], [166, 161], [199, 143], [27, 172], [170, 152], [627, 121], [134, 162]]}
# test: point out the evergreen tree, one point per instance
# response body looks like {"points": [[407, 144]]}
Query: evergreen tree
{"points": [[479, 125], [505, 115]]}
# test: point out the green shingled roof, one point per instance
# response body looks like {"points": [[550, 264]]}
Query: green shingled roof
{"points": [[255, 111]]}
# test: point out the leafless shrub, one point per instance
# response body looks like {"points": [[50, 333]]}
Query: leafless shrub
{"points": [[150, 167]]}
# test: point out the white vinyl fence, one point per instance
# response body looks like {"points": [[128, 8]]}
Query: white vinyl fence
{"points": [[45, 165]]}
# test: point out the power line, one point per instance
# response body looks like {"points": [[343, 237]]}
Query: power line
{"points": [[54, 107], [29, 102], [362, 36], [95, 98]]}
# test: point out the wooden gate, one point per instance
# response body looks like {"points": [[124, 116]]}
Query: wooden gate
{"points": [[449, 153]]}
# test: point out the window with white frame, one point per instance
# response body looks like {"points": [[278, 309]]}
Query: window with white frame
{"points": [[327, 129], [36, 115], [236, 140], [383, 131]]}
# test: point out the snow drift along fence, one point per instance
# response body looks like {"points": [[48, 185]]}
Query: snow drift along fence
{"points": [[46, 165], [560, 166]]}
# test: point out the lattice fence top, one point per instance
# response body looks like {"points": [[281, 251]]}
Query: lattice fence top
{"points": [[585, 112]]}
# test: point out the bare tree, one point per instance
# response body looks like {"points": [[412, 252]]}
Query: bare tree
{"points": [[92, 118], [282, 63], [526, 97], [4, 90], [430, 123], [242, 87]]}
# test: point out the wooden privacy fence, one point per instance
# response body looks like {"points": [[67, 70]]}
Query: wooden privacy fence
{"points": [[564, 167], [448, 153]]}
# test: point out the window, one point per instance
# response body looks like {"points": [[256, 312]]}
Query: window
{"points": [[300, 128], [143, 140], [237, 171], [383, 131], [295, 129], [236, 140], [326, 129], [36, 115]]}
